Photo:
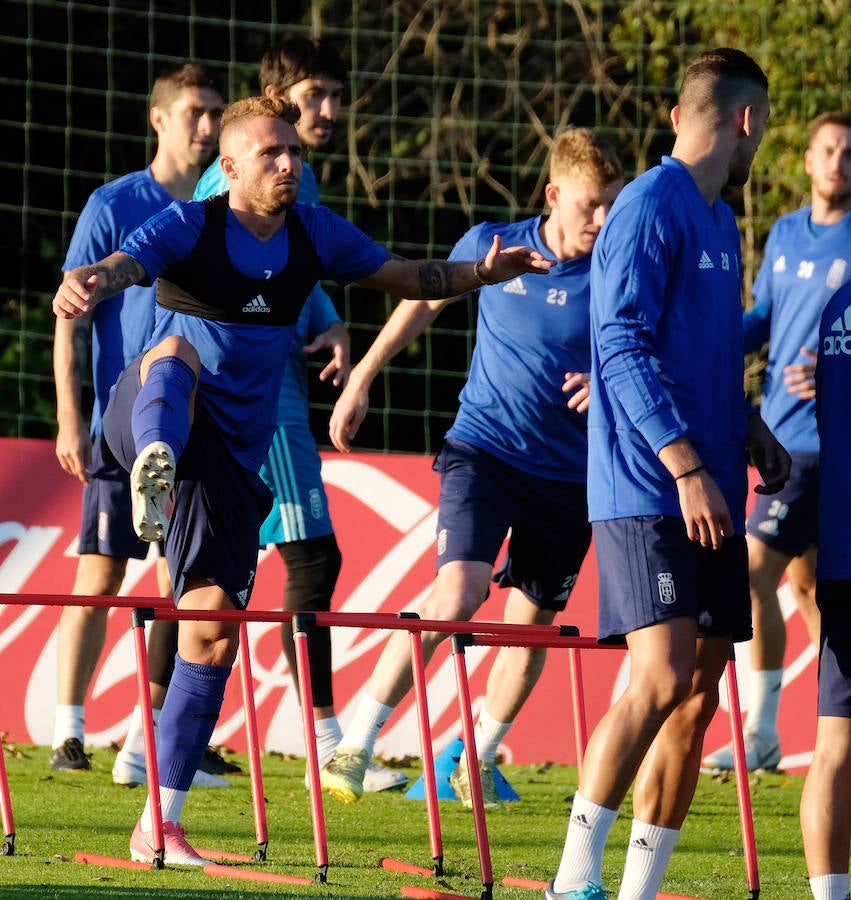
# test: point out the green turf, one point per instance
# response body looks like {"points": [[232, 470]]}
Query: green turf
{"points": [[58, 814]]}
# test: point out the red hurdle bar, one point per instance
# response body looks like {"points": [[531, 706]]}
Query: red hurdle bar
{"points": [[480, 633], [8, 847], [574, 643], [743, 789], [301, 623], [257, 794]]}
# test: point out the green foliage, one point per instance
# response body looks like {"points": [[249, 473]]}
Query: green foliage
{"points": [[451, 110]]}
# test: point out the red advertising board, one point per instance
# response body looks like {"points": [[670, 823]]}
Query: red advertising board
{"points": [[384, 509]]}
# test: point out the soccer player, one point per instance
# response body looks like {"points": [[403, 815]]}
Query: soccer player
{"points": [[668, 429], [310, 73], [185, 107], [196, 410], [514, 459], [826, 801], [806, 260]]}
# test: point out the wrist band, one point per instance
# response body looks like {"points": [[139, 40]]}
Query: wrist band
{"points": [[693, 471], [476, 266]]}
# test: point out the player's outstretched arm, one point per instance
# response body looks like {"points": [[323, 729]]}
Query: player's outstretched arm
{"points": [[83, 288], [433, 279], [407, 321]]}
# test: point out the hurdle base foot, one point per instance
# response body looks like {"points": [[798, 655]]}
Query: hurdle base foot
{"points": [[260, 852], [321, 877], [8, 848]]}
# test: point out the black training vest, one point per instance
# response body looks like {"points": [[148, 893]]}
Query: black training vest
{"points": [[206, 284]]}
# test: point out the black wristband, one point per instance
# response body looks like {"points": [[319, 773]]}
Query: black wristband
{"points": [[693, 471], [476, 266]]}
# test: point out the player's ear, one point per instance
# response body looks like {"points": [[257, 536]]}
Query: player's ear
{"points": [[156, 115], [228, 167], [746, 117], [551, 195]]}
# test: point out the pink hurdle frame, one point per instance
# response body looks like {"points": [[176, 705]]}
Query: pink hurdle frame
{"points": [[464, 634]]}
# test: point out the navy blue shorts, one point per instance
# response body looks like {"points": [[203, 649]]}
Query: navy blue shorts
{"points": [[788, 521], [833, 599], [649, 571], [106, 527], [219, 505], [482, 497]]}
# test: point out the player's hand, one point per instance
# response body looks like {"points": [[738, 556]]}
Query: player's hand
{"points": [[346, 417], [800, 378], [705, 512], [74, 451], [337, 340], [768, 455], [503, 265], [74, 296], [578, 385]]}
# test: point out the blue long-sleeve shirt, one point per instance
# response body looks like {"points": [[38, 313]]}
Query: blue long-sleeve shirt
{"points": [[666, 347]]}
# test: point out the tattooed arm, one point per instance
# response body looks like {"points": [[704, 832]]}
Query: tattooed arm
{"points": [[83, 288], [435, 279], [70, 358]]}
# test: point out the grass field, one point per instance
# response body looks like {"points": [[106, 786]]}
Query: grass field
{"points": [[57, 815]]}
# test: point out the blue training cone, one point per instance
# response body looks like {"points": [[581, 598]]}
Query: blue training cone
{"points": [[444, 766]]}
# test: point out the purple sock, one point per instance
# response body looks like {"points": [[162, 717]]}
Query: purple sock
{"points": [[189, 715], [161, 409]]}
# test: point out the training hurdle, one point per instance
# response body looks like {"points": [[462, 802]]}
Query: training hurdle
{"points": [[483, 633], [459, 644], [139, 617]]}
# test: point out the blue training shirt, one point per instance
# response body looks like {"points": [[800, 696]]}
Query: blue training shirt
{"points": [[666, 347], [243, 364], [833, 388], [316, 317], [801, 270], [530, 331], [121, 325]]}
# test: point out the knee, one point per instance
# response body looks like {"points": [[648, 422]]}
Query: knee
{"points": [[175, 345], [312, 572], [664, 689], [215, 645], [702, 706]]}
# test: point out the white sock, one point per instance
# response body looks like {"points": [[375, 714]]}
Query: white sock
{"points": [[650, 849], [135, 741], [763, 702], [830, 887], [328, 736], [68, 722], [582, 859], [369, 719], [171, 801], [489, 734]]}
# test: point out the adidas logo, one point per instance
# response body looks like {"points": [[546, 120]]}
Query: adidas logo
{"points": [[641, 844], [779, 265], [515, 287], [580, 821], [839, 342], [257, 305], [705, 261]]}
